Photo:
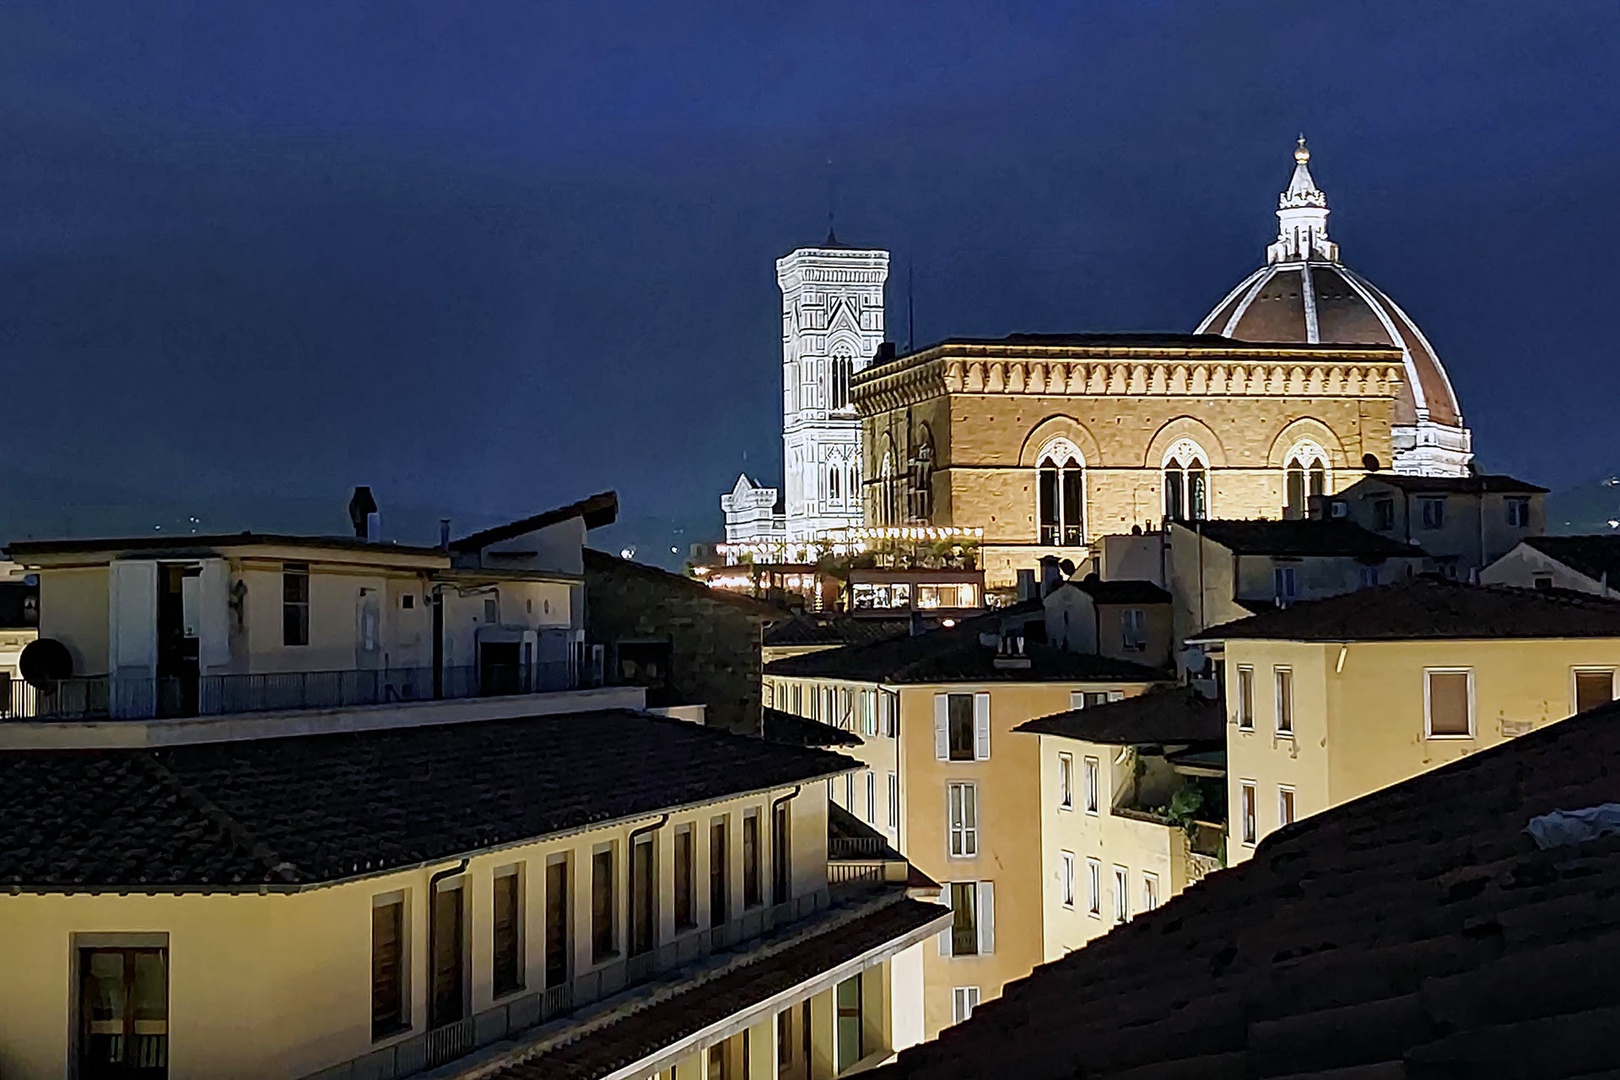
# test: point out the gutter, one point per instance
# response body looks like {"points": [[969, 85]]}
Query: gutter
{"points": [[433, 924]]}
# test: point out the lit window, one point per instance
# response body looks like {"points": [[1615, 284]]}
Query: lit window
{"points": [[1449, 703]]}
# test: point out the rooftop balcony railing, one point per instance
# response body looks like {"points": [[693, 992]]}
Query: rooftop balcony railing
{"points": [[119, 697]]}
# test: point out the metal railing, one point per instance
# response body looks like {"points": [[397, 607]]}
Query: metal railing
{"points": [[101, 697], [522, 1012], [856, 847]]}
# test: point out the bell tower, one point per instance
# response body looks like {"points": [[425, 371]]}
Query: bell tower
{"points": [[832, 324]]}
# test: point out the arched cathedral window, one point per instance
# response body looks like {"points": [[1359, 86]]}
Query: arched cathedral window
{"points": [[1305, 475], [886, 502], [1186, 482], [843, 366], [1061, 494], [835, 494]]}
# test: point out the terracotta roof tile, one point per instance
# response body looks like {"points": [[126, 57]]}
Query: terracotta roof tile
{"points": [[1171, 715], [1301, 537], [1428, 607], [1414, 932], [302, 810]]}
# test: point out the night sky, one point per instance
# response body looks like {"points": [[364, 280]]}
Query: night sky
{"points": [[489, 257]]}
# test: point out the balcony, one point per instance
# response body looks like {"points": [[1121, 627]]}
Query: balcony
{"points": [[107, 697]]}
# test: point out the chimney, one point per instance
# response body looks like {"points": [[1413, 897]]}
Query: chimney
{"points": [[444, 534], [1026, 585], [885, 352], [363, 515], [1051, 574]]}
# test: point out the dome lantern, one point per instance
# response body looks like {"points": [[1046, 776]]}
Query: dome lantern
{"points": [[1302, 213]]}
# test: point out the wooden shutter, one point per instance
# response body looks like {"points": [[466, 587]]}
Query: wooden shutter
{"points": [[387, 985], [981, 726], [987, 918], [945, 934], [942, 727]]}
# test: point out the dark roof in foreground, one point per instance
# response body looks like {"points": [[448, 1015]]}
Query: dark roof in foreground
{"points": [[1429, 607], [597, 510], [193, 542], [784, 727], [1303, 537], [1170, 715], [955, 654], [602, 563], [1414, 932], [644, 1032], [1120, 590], [304, 810], [1594, 556], [1449, 485], [805, 629]]}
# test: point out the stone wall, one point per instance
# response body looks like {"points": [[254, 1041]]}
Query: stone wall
{"points": [[714, 637]]}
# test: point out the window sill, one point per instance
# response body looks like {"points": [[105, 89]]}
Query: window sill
{"points": [[1095, 915], [1093, 813], [1246, 729], [1289, 735], [389, 1035], [1450, 738], [1067, 808]]}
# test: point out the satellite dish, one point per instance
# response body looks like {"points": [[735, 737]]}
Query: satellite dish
{"points": [[44, 663], [1370, 462]]}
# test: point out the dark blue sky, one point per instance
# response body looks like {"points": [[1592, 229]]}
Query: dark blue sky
{"points": [[490, 256]]}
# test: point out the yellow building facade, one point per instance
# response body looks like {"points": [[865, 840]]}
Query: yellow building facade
{"points": [[1337, 698], [955, 788], [1049, 441]]}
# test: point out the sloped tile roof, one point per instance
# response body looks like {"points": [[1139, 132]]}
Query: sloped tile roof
{"points": [[955, 654], [1120, 590], [1428, 607], [1414, 932], [803, 629], [645, 1032], [1466, 485], [1595, 556], [1171, 715], [1303, 537], [785, 727], [302, 810]]}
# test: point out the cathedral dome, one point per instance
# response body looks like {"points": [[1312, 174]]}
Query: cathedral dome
{"points": [[1305, 294]]}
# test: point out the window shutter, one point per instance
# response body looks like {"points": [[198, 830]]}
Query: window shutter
{"points": [[981, 726], [942, 727], [945, 934], [213, 614], [987, 918]]}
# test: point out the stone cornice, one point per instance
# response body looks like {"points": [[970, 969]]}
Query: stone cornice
{"points": [[1131, 371]]}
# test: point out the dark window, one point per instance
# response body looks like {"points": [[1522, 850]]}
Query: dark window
{"points": [[719, 878], [964, 918], [1593, 688], [1174, 493], [646, 663], [849, 1033], [685, 908], [1434, 511], [447, 1002], [1518, 511], [1061, 495], [556, 923], [960, 720], [1245, 699], [1542, 582], [1186, 490], [603, 944], [388, 1008], [295, 603], [751, 882], [508, 931], [1294, 503], [123, 1013], [643, 897], [1450, 704], [1383, 514], [781, 854]]}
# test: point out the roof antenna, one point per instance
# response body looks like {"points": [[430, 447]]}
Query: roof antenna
{"points": [[911, 307], [832, 237]]}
